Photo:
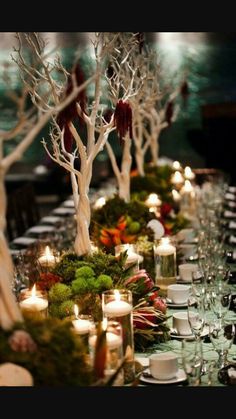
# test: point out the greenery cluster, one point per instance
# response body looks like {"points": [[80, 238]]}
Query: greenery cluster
{"points": [[60, 358]]}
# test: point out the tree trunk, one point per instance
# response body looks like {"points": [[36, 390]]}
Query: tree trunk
{"points": [[139, 157], [83, 214], [9, 310], [154, 146], [124, 178]]}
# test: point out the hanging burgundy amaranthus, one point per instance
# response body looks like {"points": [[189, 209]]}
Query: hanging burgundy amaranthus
{"points": [[169, 112], [184, 91], [123, 119], [70, 112]]}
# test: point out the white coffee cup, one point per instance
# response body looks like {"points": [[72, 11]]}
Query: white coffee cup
{"points": [[178, 293], [163, 366], [181, 323], [187, 250], [186, 270]]}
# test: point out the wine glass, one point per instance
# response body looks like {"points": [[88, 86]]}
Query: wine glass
{"points": [[192, 361], [196, 315], [220, 297], [222, 336]]}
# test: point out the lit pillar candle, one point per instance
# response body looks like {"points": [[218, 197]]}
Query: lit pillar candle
{"points": [[33, 302], [81, 325], [165, 261], [100, 202], [132, 256], [47, 259], [176, 165], [177, 179], [153, 201], [117, 306], [188, 174], [176, 196]]}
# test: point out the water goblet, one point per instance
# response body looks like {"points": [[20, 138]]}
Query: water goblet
{"points": [[192, 361], [221, 336]]}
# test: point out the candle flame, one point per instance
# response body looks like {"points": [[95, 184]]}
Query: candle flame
{"points": [[176, 165], [33, 291], [176, 195], [117, 295], [104, 324], [165, 240], [76, 310], [100, 202], [48, 252]]}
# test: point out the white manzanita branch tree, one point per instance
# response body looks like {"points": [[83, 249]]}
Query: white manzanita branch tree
{"points": [[29, 124], [125, 77], [78, 160]]}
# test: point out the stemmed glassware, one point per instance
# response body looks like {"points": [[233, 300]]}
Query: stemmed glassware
{"points": [[192, 361], [222, 336]]}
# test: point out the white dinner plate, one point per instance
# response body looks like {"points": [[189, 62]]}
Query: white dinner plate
{"points": [[50, 219], [204, 333], [180, 376], [24, 240], [69, 203], [63, 211], [40, 229]]}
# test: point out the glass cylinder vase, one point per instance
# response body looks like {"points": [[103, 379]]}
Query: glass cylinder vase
{"points": [[117, 306], [114, 349], [165, 263]]}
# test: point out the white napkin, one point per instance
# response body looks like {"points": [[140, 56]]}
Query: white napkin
{"points": [[230, 196], [63, 211], [50, 219], [231, 204], [157, 227], [24, 240], [232, 239], [232, 189], [229, 214], [41, 229], [232, 224]]}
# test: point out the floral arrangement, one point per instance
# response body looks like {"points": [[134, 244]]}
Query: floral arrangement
{"points": [[119, 222], [49, 349], [84, 278]]}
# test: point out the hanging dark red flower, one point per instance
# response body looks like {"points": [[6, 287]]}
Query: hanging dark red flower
{"points": [[169, 112], [70, 112], [184, 91], [123, 119], [140, 39], [165, 209]]}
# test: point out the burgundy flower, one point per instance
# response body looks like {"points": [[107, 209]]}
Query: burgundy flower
{"points": [[47, 280], [70, 112], [123, 119], [165, 209], [160, 305], [144, 320], [21, 341], [169, 112], [152, 296]]}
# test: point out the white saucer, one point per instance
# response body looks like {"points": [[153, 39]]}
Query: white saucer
{"points": [[63, 211], [173, 305], [51, 219], [40, 229], [24, 240], [204, 333], [180, 376]]}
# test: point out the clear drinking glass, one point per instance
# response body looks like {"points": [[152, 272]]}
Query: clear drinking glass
{"points": [[222, 336], [192, 361]]}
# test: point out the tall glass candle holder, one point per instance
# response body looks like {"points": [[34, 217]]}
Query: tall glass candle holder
{"points": [[133, 258], [34, 301], [117, 306], [81, 325], [165, 264], [114, 348]]}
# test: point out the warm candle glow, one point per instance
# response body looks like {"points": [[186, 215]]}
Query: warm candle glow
{"points": [[47, 259], [177, 178], [176, 195], [104, 324], [188, 173], [153, 200], [165, 248], [34, 302], [187, 188], [100, 202], [33, 291], [117, 295], [176, 165], [76, 310]]}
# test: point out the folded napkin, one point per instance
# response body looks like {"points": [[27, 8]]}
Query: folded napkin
{"points": [[232, 224], [231, 204], [232, 189], [229, 214], [230, 197], [232, 239]]}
